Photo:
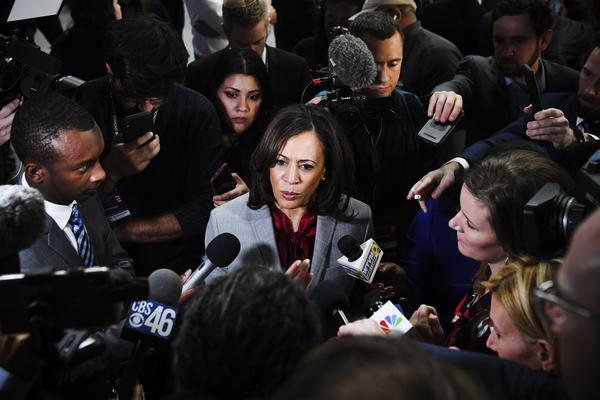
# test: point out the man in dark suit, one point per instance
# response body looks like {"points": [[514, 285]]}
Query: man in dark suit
{"points": [[429, 59], [60, 145], [567, 128], [247, 26], [492, 89]]}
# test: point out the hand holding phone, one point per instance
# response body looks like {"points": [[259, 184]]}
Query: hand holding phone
{"points": [[435, 133], [136, 125], [222, 181]]}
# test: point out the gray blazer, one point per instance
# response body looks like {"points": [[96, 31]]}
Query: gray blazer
{"points": [[54, 250], [254, 229]]}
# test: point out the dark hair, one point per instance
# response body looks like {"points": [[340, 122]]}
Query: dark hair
{"points": [[244, 13], [375, 23], [242, 61], [146, 55], [375, 367], [537, 10], [40, 120], [339, 166], [505, 182], [243, 335]]}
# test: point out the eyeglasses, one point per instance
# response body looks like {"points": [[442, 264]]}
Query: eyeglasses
{"points": [[154, 101], [551, 308]]}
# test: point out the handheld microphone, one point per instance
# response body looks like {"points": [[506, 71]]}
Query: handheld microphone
{"points": [[361, 261], [220, 252], [22, 222], [331, 300], [351, 62], [149, 323]]}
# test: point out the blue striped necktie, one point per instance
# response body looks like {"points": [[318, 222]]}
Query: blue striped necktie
{"points": [[84, 247]]}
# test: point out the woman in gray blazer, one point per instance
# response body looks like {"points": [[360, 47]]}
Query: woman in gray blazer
{"points": [[296, 210]]}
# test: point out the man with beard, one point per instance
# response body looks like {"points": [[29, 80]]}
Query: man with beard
{"points": [[60, 146], [567, 128], [490, 88]]}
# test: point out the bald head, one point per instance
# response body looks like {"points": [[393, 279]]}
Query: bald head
{"points": [[582, 263], [578, 337]]}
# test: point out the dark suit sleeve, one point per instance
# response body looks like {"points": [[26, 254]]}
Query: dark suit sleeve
{"points": [[502, 379], [444, 68], [478, 150], [463, 82]]}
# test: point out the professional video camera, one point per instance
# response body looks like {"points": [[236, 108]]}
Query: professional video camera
{"points": [[64, 311], [25, 70], [551, 215]]}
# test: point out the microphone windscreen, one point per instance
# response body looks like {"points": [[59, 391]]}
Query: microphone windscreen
{"points": [[349, 247], [223, 249], [22, 218], [352, 62], [164, 286], [329, 296]]}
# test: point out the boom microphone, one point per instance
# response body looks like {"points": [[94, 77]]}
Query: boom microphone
{"points": [[22, 222], [361, 261], [220, 252], [352, 62]]}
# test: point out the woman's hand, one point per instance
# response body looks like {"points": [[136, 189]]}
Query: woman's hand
{"points": [[186, 295], [426, 325], [239, 189], [299, 271], [363, 327]]}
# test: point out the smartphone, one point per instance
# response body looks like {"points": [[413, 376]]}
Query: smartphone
{"points": [[532, 88], [435, 133], [136, 125], [222, 181]]}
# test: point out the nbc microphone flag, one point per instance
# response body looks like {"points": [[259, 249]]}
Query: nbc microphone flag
{"points": [[391, 320]]}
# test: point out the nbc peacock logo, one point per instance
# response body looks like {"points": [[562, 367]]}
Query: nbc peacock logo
{"points": [[390, 322]]}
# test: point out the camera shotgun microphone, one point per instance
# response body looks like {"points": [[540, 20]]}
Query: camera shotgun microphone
{"points": [[220, 252], [351, 62], [22, 222], [361, 261]]}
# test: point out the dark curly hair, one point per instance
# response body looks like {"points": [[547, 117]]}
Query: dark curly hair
{"points": [[145, 55], [243, 335], [537, 10], [40, 120], [289, 122]]}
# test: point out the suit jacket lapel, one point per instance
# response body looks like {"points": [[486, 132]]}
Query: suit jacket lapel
{"points": [[262, 227], [325, 228], [58, 242]]}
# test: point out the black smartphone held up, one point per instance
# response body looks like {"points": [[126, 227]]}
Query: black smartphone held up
{"points": [[222, 181], [532, 88], [435, 133], [136, 125]]}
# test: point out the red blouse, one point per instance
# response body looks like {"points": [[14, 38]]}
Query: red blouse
{"points": [[292, 245]]}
